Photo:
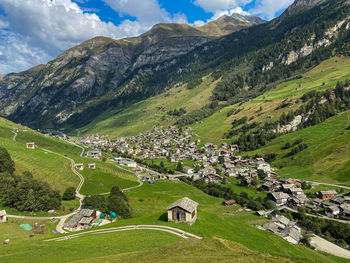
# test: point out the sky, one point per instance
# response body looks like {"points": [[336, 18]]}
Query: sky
{"points": [[34, 32]]}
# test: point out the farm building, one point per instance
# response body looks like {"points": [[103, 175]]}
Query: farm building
{"points": [[229, 202], [81, 221], [30, 145], [79, 166], [92, 166], [183, 210], [3, 216]]}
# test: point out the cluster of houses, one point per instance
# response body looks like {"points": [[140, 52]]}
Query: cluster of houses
{"points": [[333, 205], [286, 192], [285, 228]]}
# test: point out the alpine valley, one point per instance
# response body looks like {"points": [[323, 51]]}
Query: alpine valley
{"points": [[231, 128]]}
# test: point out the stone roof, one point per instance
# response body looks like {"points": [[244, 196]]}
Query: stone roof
{"points": [[184, 203], [2, 213], [86, 212], [73, 221], [329, 192]]}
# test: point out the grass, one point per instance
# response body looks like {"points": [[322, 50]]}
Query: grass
{"points": [[226, 237], [146, 114], [213, 128], [54, 169], [327, 157]]}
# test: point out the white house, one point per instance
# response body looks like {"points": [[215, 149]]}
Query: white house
{"points": [[3, 216], [188, 170]]}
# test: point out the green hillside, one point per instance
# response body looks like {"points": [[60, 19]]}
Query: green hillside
{"points": [[54, 168], [227, 234], [146, 114]]}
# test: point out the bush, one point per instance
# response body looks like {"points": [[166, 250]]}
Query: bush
{"points": [[69, 194]]}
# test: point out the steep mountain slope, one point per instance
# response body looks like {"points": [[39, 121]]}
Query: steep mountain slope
{"points": [[49, 95]]}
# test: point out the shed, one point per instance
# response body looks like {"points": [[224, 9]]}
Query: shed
{"points": [[79, 166], [183, 210], [92, 166], [229, 202], [3, 216], [30, 145]]}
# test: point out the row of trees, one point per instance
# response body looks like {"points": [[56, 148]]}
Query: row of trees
{"points": [[117, 202]]}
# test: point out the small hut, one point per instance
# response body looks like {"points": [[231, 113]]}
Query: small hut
{"points": [[3, 216], [183, 210], [30, 145], [79, 166], [92, 166]]}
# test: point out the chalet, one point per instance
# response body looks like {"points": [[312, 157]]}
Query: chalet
{"points": [[3, 216], [298, 201], [92, 166], [81, 221], [229, 202], [183, 210], [94, 154], [268, 186], [292, 235], [294, 191], [30, 145], [278, 198], [327, 194], [79, 166], [332, 211], [188, 170]]}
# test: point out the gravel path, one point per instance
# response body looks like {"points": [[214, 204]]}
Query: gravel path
{"points": [[330, 248], [171, 230]]}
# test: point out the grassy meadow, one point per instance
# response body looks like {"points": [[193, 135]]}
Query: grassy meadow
{"points": [[229, 235]]}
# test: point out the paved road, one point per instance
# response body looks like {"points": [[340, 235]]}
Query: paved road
{"points": [[328, 247], [322, 217], [171, 230], [333, 185]]}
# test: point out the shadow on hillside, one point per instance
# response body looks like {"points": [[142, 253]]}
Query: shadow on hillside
{"points": [[164, 217]]}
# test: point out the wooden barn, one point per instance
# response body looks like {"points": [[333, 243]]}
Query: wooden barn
{"points": [[183, 210]]}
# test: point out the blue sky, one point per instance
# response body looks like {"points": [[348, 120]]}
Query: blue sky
{"points": [[33, 32]]}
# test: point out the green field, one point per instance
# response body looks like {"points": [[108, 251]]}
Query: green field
{"points": [[227, 233], [328, 72], [327, 157], [55, 169]]}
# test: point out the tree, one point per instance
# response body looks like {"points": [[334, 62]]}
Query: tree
{"points": [[69, 194], [7, 165], [179, 167]]}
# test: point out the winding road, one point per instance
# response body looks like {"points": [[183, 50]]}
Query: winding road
{"points": [[63, 219]]}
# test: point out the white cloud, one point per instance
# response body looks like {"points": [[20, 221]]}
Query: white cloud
{"points": [[145, 10], [215, 5], [269, 8], [38, 30]]}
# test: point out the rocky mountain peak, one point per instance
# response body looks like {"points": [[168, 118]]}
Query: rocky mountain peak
{"points": [[301, 5]]}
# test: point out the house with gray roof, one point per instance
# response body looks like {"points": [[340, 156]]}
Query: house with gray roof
{"points": [[183, 210]]}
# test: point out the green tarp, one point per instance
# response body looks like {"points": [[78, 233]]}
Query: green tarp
{"points": [[26, 227]]}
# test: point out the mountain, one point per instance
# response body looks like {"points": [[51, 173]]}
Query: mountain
{"points": [[104, 75], [302, 5], [48, 95]]}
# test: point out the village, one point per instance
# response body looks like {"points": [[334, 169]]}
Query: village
{"points": [[212, 164]]}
